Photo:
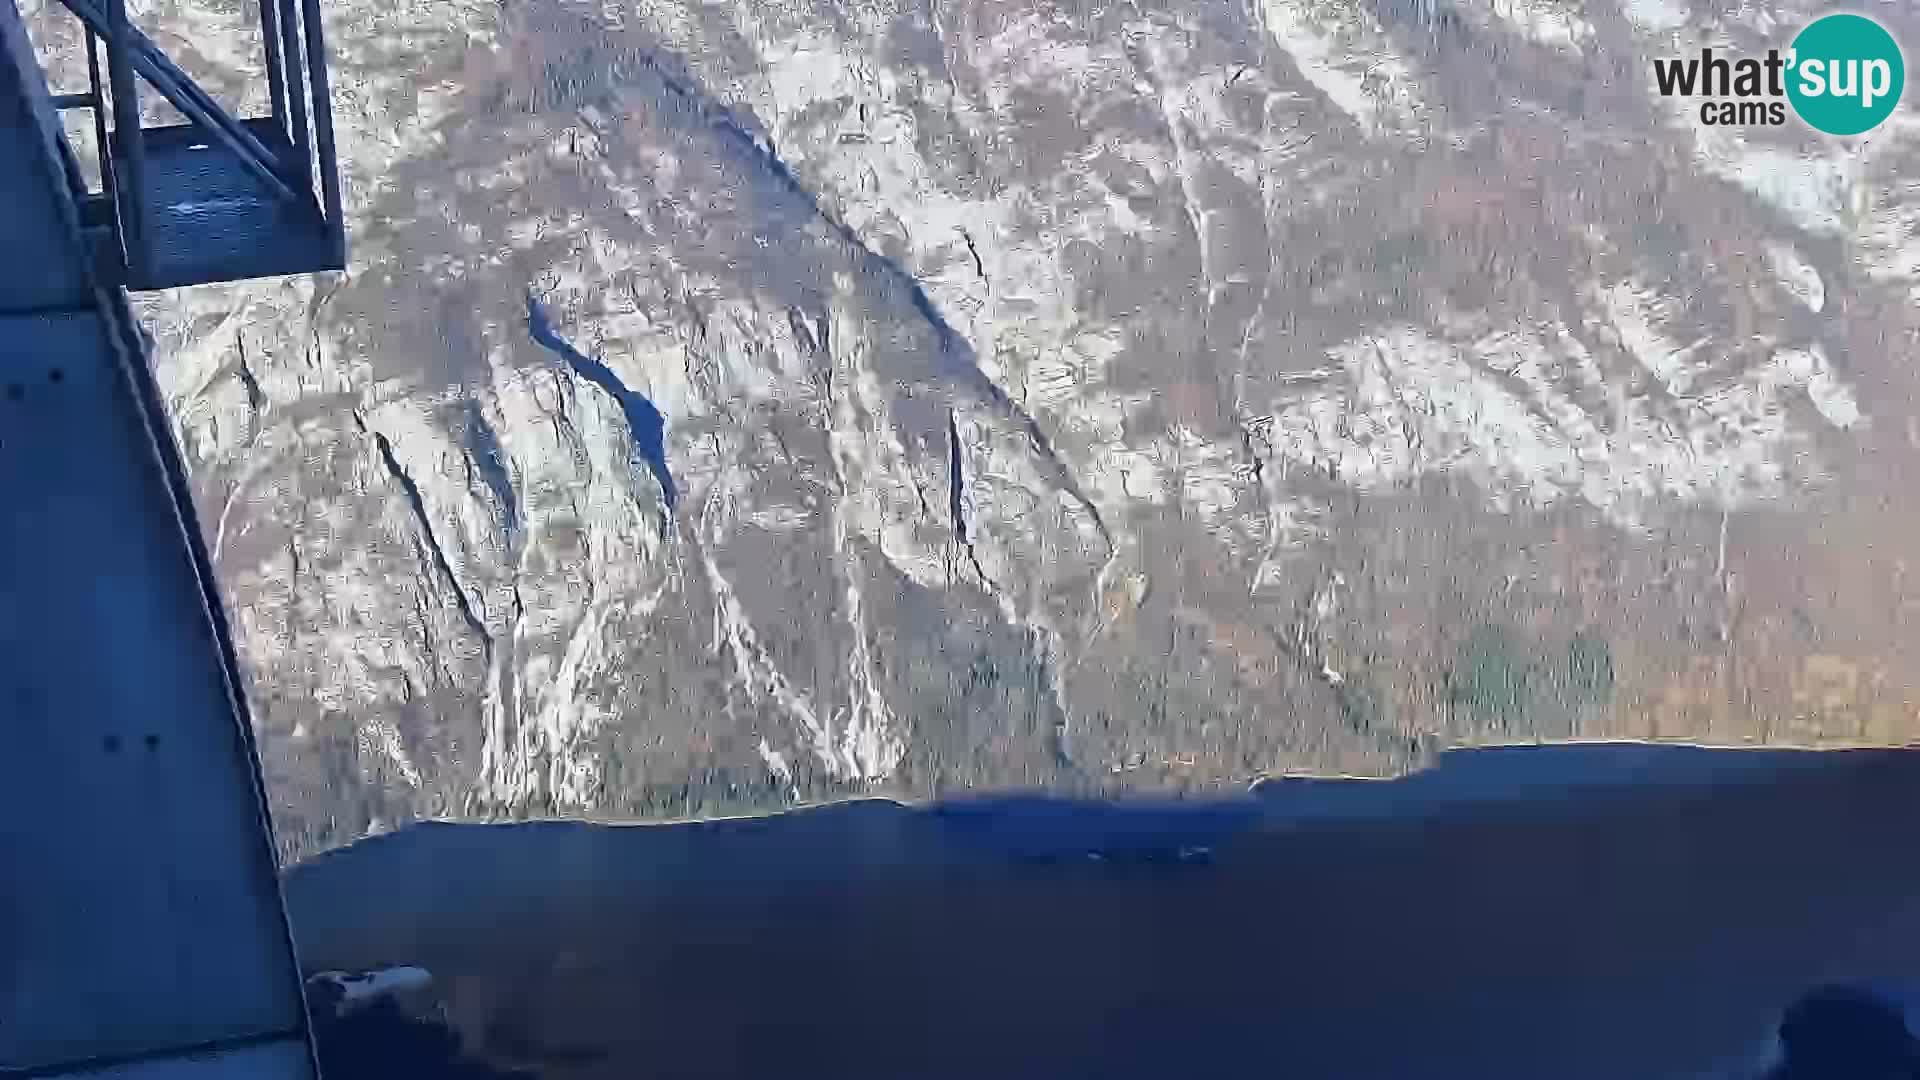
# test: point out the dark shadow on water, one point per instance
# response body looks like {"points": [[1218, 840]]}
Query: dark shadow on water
{"points": [[1582, 912]]}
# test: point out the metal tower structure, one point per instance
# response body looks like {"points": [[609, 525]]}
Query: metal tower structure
{"points": [[216, 198], [142, 932]]}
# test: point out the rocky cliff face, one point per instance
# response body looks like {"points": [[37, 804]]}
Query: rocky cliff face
{"points": [[739, 403]]}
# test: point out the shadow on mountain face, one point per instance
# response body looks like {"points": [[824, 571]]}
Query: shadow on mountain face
{"points": [[645, 424]]}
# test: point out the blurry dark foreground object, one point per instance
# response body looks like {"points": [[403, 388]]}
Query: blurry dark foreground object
{"points": [[365, 1032], [370, 1027], [1846, 1033]]}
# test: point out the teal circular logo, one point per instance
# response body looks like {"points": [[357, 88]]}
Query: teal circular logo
{"points": [[1845, 74]]}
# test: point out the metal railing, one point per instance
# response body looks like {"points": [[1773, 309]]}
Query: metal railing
{"points": [[301, 114]]}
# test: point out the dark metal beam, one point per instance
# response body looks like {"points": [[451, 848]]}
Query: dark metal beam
{"points": [[276, 64], [129, 189], [296, 100], [323, 124]]}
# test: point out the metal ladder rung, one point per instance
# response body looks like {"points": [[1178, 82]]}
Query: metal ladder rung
{"points": [[75, 101]]}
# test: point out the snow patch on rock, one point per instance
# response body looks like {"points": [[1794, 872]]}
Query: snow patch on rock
{"points": [[1345, 54], [1549, 22], [1530, 415], [1797, 276]]}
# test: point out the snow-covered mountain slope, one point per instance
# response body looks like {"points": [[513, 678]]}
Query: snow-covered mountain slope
{"points": [[734, 403]]}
